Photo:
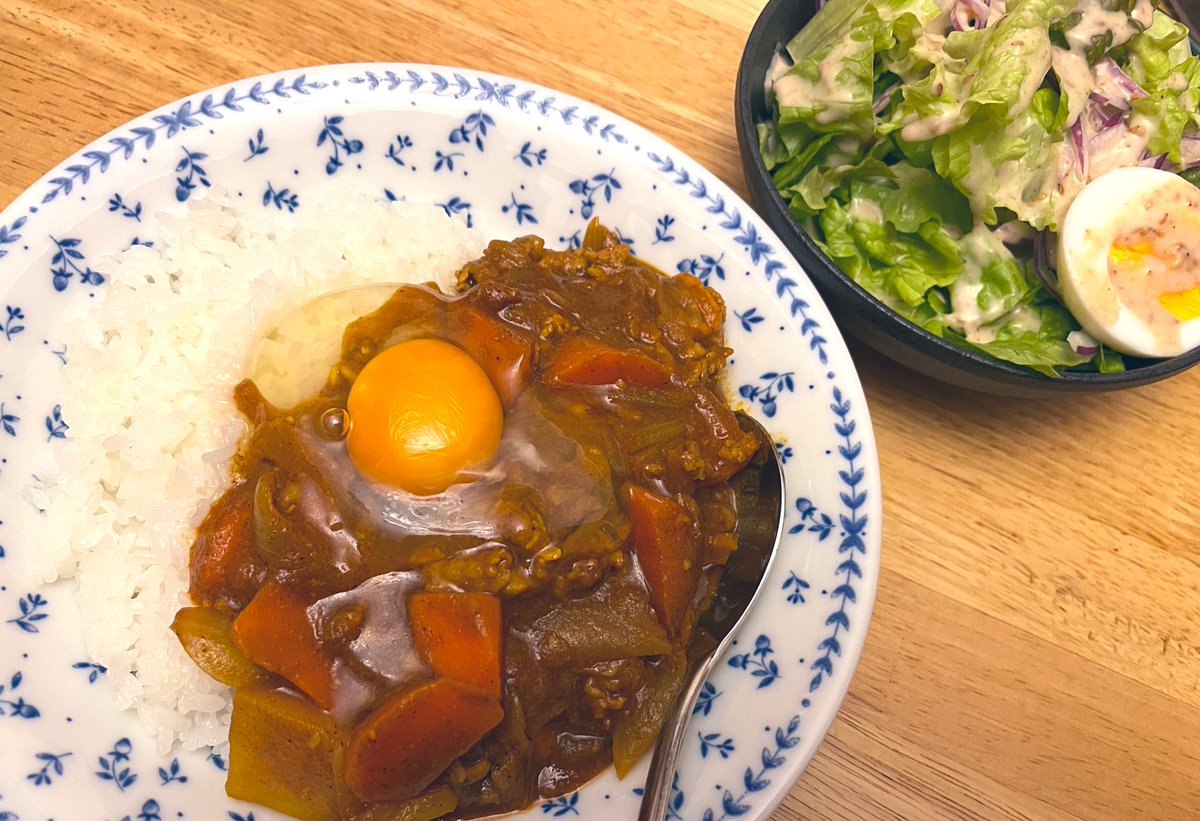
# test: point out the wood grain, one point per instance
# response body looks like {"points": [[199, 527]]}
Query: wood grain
{"points": [[1035, 650]]}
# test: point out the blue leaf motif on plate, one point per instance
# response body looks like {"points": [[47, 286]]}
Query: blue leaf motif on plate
{"points": [[853, 524], [69, 261], [94, 670], [281, 199], [749, 319], [795, 587], [757, 662], [755, 780], [170, 124], [456, 205], [19, 708], [812, 520], [662, 229], [9, 234], [704, 701], [52, 765], [181, 118], [55, 425], [117, 204], [714, 742], [562, 805], [8, 421], [257, 145], [172, 773], [338, 141], [521, 210], [445, 161], [150, 811], [12, 322], [530, 155], [31, 612], [767, 392], [398, 147], [703, 267], [192, 174], [674, 801], [602, 184], [473, 129], [237, 816], [111, 765]]}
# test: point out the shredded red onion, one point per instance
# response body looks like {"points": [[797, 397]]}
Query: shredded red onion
{"points": [[882, 100], [967, 15], [1082, 343], [1080, 153], [1108, 111], [1158, 161], [1041, 264], [1127, 83]]}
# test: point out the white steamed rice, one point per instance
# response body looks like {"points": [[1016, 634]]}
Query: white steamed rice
{"points": [[150, 374]]}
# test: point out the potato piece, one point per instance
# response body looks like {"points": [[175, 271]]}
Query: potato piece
{"points": [[614, 622], [425, 807], [638, 727], [400, 748], [459, 636], [281, 750], [207, 636]]}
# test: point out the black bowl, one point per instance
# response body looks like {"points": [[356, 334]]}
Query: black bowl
{"points": [[856, 311]]}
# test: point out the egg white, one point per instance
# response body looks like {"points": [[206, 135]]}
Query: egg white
{"points": [[1163, 205]]}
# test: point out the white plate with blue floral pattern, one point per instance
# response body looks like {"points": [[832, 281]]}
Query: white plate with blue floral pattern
{"points": [[513, 158]]}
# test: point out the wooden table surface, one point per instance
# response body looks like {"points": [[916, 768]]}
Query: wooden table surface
{"points": [[1035, 649]]}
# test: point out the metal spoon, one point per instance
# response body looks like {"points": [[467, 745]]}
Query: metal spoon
{"points": [[760, 523]]}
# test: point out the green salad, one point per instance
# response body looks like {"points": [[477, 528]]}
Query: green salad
{"points": [[932, 148]]}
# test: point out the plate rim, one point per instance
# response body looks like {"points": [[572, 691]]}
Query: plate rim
{"points": [[26, 204]]}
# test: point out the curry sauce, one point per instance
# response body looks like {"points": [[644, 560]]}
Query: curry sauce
{"points": [[472, 651]]}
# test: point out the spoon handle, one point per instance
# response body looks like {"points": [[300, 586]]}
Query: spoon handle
{"points": [[662, 765]]}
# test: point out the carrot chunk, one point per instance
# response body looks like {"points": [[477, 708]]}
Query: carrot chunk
{"points": [[581, 360], [225, 571], [459, 636], [276, 633], [407, 742], [663, 539], [502, 350]]}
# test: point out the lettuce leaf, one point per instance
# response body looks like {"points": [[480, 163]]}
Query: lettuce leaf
{"points": [[972, 131], [1159, 60]]}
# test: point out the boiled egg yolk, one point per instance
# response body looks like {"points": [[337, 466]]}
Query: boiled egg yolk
{"points": [[422, 415], [1129, 261]]}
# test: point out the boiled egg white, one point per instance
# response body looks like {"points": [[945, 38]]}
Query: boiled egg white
{"points": [[1129, 261]]}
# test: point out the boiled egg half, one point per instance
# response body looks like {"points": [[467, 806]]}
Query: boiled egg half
{"points": [[1129, 261]]}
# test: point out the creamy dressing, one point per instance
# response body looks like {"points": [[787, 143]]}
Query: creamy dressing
{"points": [[1074, 79], [778, 67], [1098, 20], [921, 129], [980, 323], [793, 90]]}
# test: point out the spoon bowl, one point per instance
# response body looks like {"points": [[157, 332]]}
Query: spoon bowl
{"points": [[760, 524]]}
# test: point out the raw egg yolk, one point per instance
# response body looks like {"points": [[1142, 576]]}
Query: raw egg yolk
{"points": [[421, 414]]}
